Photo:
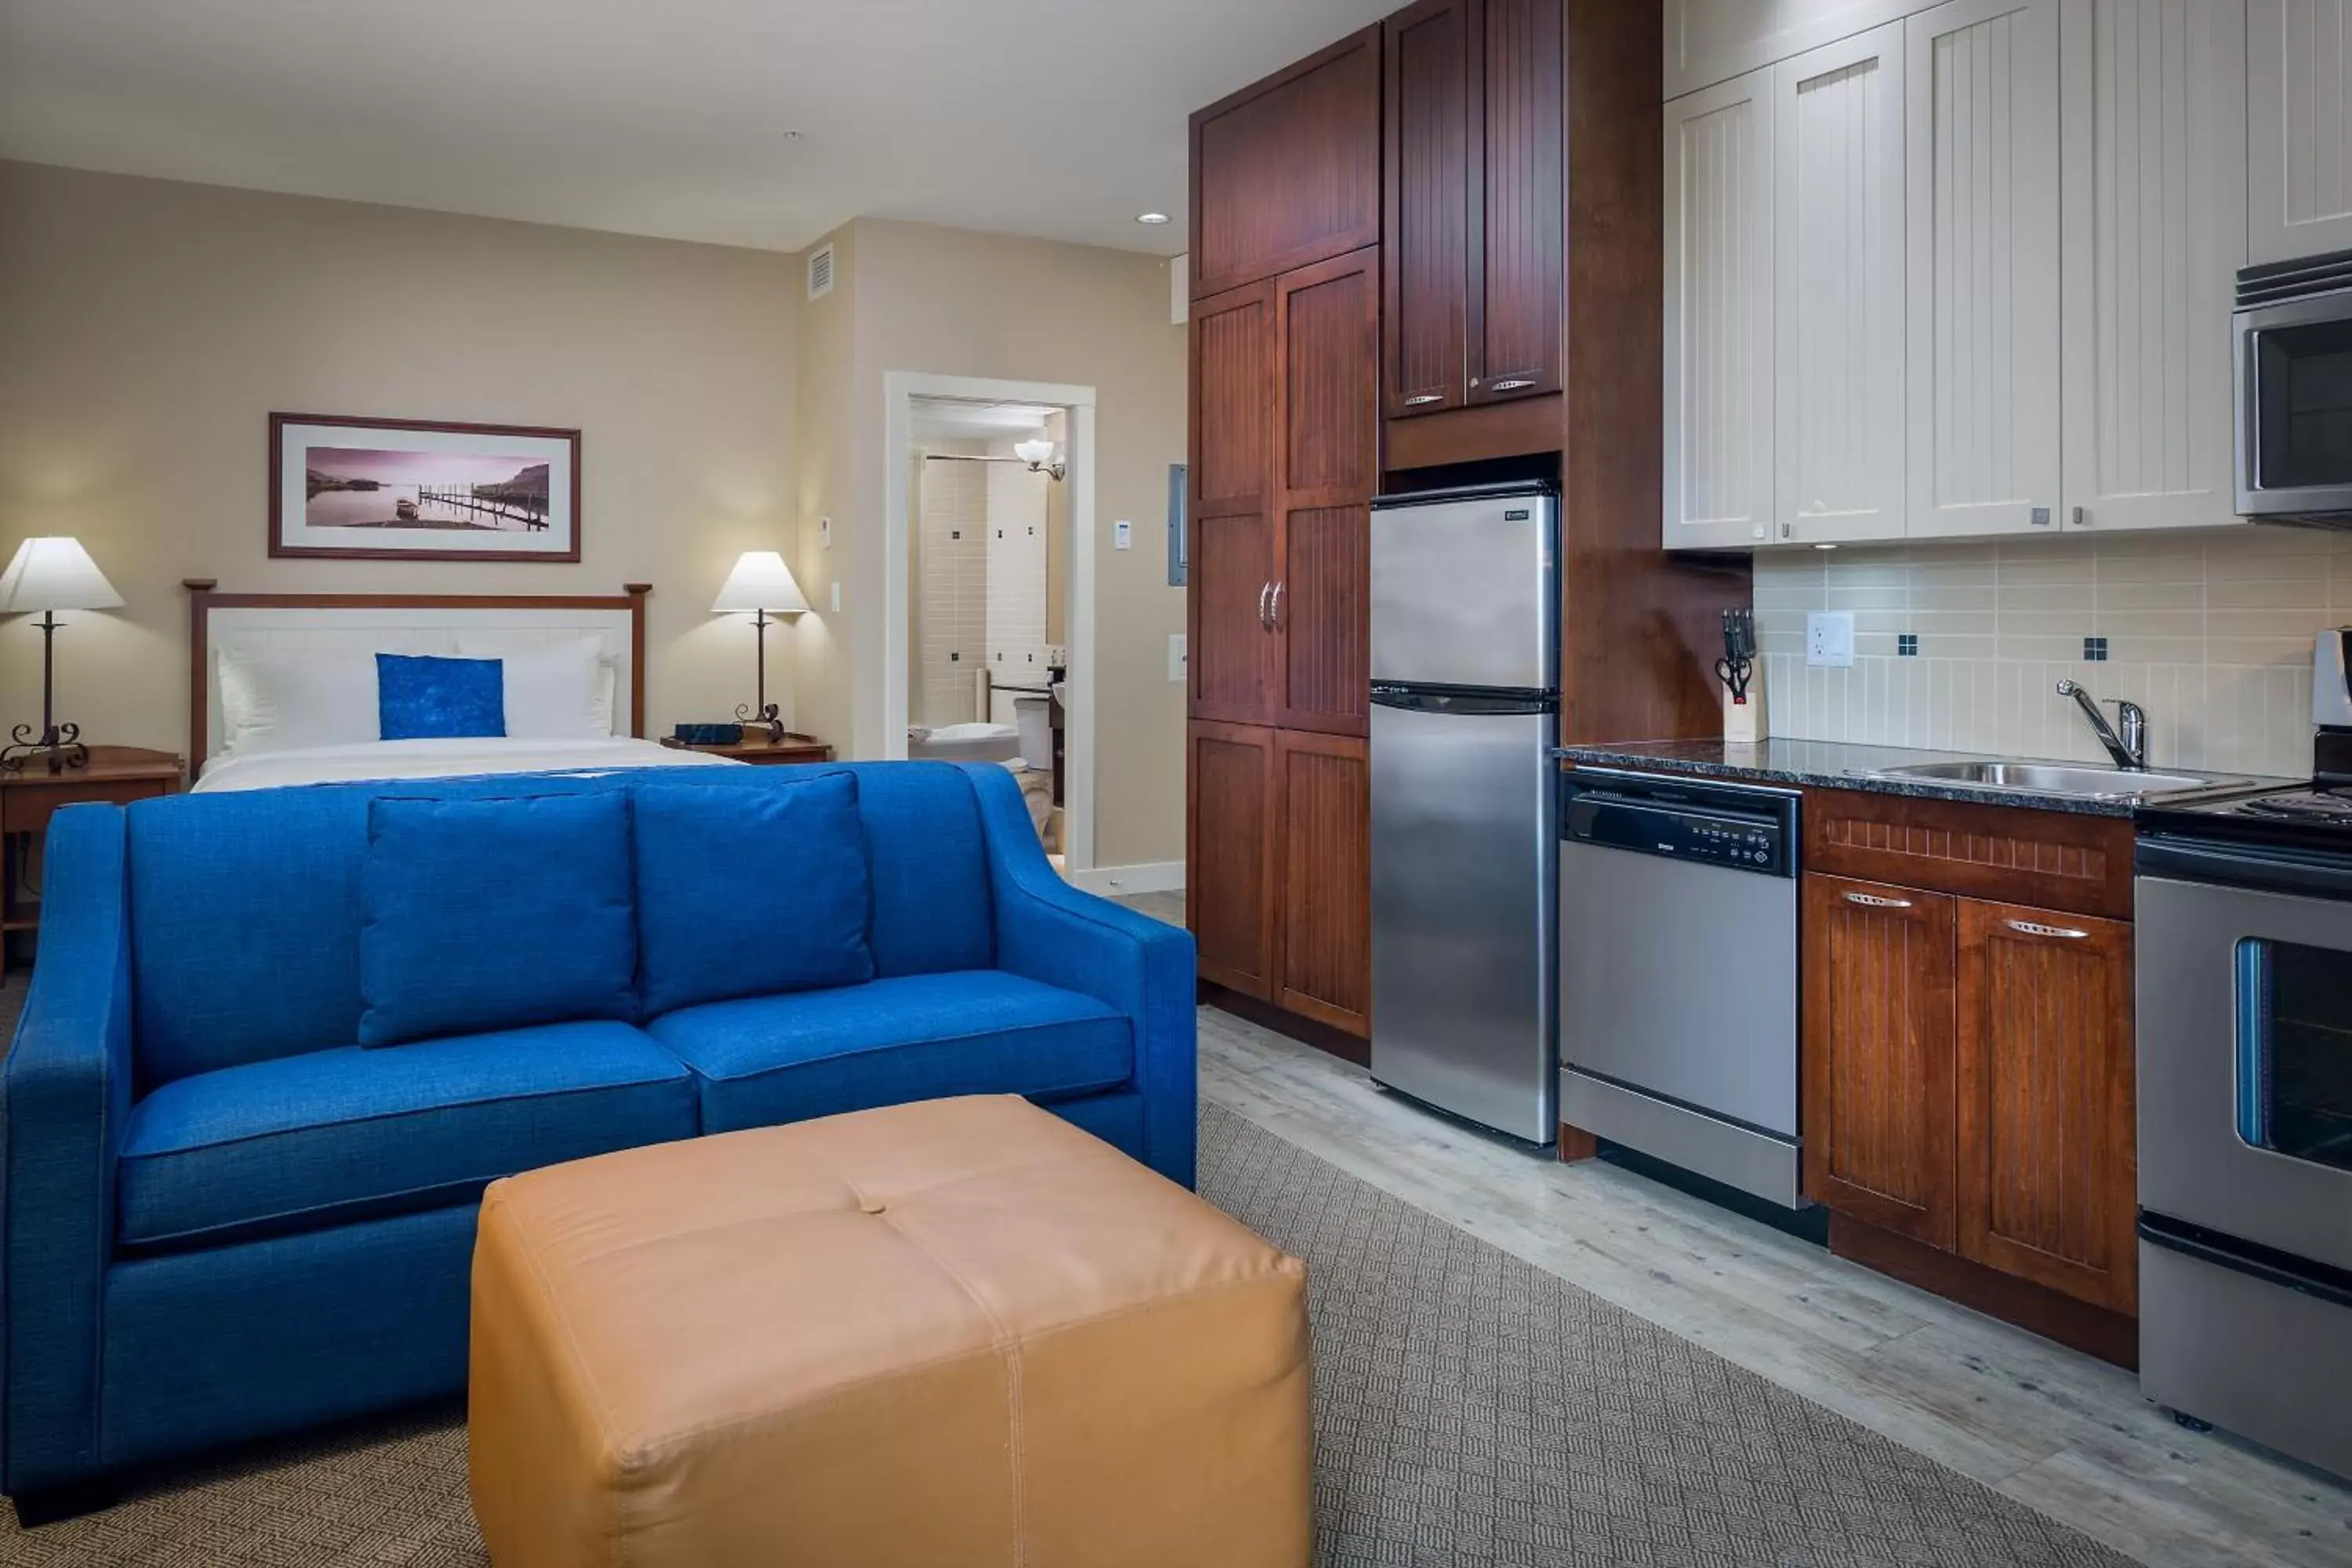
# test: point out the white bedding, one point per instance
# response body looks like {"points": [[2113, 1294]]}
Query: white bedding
{"points": [[443, 759]]}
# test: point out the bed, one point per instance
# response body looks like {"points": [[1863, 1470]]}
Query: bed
{"points": [[245, 733]]}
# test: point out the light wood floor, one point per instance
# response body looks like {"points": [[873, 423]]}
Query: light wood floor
{"points": [[2066, 1434]]}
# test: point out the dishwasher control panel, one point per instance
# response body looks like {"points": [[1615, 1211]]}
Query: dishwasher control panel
{"points": [[1755, 832]]}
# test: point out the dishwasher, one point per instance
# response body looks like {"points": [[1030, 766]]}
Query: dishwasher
{"points": [[1678, 974]]}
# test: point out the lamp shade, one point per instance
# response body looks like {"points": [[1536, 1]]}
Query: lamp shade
{"points": [[55, 574], [1033, 453], [760, 581]]}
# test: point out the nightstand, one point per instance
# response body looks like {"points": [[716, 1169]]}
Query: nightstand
{"points": [[755, 747], [28, 799]]}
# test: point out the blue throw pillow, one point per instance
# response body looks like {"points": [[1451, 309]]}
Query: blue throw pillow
{"points": [[494, 914], [420, 697], [750, 889]]}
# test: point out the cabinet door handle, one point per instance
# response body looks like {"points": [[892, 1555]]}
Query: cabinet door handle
{"points": [[1420, 398], [1873, 901], [1264, 618], [1275, 623], [2034, 928], [1513, 383]]}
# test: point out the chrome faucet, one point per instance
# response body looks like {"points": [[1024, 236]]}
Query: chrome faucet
{"points": [[2128, 749]]}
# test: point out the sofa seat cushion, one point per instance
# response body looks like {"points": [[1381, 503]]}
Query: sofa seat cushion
{"points": [[305, 1141], [767, 1060]]}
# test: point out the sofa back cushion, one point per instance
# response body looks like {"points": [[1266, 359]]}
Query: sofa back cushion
{"points": [[245, 905], [749, 891], [495, 914]]}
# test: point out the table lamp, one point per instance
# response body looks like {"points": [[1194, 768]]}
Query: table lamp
{"points": [[759, 583], [49, 575]]}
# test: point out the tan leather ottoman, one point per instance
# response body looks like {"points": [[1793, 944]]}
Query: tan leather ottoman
{"points": [[960, 1331]]}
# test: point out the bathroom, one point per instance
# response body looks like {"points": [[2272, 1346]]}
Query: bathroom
{"points": [[988, 551]]}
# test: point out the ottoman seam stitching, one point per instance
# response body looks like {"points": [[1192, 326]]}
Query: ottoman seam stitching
{"points": [[1008, 1349]]}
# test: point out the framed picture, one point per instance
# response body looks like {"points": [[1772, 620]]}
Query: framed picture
{"points": [[421, 490]]}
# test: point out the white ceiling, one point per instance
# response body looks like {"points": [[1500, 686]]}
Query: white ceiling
{"points": [[1057, 118]]}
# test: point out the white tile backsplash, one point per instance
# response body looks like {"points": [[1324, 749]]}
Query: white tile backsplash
{"points": [[2211, 633]]}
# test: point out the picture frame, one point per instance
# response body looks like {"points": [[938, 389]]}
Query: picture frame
{"points": [[349, 488]]}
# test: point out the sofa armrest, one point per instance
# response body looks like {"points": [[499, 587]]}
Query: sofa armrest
{"points": [[64, 1097], [1048, 930]]}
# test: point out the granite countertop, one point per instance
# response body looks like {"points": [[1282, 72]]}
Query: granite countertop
{"points": [[1835, 764]]}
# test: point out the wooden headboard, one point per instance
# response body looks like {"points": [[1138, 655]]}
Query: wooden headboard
{"points": [[403, 623]]}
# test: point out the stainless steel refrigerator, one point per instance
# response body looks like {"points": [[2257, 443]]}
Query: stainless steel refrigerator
{"points": [[1464, 790]]}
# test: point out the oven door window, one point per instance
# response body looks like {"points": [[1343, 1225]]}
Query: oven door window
{"points": [[2294, 1050], [2304, 421]]}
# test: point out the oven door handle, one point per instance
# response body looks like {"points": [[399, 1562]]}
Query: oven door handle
{"points": [[2263, 867]]}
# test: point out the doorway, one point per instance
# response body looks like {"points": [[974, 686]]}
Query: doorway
{"points": [[989, 573]]}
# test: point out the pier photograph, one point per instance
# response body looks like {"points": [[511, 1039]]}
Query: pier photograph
{"points": [[415, 488]]}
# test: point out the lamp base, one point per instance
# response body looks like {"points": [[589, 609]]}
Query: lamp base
{"points": [[59, 745], [766, 717]]}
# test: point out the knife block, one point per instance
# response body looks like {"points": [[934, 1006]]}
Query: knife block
{"points": [[1743, 722]]}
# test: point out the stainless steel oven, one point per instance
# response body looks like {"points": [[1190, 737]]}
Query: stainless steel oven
{"points": [[2293, 336], [2245, 1139]]}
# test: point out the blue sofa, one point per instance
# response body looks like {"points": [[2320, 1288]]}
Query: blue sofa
{"points": [[224, 1217]]}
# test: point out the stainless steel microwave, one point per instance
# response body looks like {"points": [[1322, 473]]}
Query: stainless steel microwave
{"points": [[2293, 351]]}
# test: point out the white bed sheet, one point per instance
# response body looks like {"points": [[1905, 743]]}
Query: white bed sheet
{"points": [[443, 759]]}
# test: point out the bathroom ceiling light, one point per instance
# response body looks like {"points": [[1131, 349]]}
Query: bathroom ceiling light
{"points": [[1151, 217]]}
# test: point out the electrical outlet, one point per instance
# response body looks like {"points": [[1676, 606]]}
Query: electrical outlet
{"points": [[1177, 657], [1829, 640], [1122, 535]]}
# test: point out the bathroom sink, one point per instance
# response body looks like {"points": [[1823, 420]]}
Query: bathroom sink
{"points": [[2057, 778]]}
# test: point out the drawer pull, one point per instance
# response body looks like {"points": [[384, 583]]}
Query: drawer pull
{"points": [[1513, 383], [2032, 928], [1420, 399], [1873, 901], [1265, 620]]}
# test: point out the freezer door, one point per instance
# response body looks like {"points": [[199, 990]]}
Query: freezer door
{"points": [[1463, 592], [1465, 873]]}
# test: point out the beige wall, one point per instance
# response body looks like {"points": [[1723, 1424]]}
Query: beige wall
{"points": [[148, 329], [957, 302]]}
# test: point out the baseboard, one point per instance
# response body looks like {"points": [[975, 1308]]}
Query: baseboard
{"points": [[1152, 877], [2111, 1336], [1306, 1031]]}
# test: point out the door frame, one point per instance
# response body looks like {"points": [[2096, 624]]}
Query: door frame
{"points": [[900, 388]]}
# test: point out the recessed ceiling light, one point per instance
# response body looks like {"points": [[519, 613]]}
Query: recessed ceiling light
{"points": [[1151, 217]]}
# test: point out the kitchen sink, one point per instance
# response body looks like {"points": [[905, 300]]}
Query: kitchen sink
{"points": [[2055, 778]]}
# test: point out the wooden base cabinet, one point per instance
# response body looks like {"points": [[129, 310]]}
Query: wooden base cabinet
{"points": [[1967, 1063], [2049, 1177], [1278, 884]]}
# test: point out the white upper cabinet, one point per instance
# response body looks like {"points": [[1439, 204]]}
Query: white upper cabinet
{"points": [[1718, 324], [1981, 201], [1838, 129], [2298, 77], [2154, 184], [1708, 41]]}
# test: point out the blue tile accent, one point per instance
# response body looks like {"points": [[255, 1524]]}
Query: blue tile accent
{"points": [[1907, 645], [2094, 649]]}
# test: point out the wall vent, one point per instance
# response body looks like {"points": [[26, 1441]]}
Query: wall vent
{"points": [[820, 272]]}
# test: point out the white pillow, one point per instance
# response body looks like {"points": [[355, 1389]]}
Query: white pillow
{"points": [[280, 699], [554, 691]]}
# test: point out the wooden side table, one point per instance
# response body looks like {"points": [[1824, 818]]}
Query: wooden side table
{"points": [[755, 747], [28, 799]]}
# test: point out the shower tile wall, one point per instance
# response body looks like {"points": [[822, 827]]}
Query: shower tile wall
{"points": [[2211, 633], [952, 512], [1017, 576]]}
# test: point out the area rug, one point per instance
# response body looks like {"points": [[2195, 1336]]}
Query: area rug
{"points": [[1470, 1409]]}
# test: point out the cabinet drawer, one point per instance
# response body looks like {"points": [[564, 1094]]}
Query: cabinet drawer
{"points": [[2050, 859]]}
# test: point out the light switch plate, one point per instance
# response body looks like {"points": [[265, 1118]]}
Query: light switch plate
{"points": [[1176, 656], [836, 598], [1829, 640], [825, 536], [1122, 535]]}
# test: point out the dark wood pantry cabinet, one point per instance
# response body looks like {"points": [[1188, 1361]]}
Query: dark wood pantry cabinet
{"points": [[1463, 203]]}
